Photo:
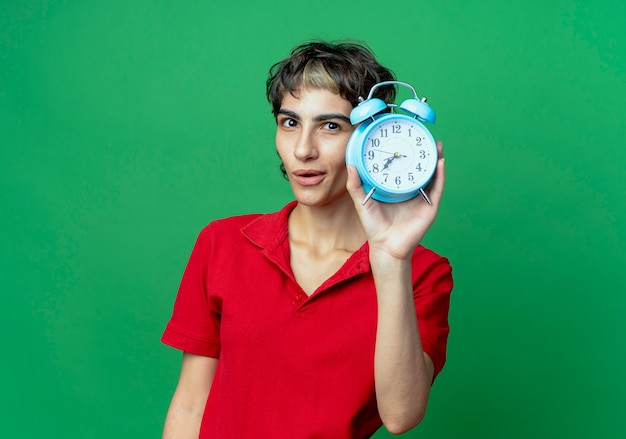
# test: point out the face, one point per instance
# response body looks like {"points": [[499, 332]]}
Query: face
{"points": [[312, 131]]}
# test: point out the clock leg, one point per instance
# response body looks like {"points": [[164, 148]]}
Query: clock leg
{"points": [[425, 196], [368, 196]]}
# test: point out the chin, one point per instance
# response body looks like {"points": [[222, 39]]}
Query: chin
{"points": [[319, 200]]}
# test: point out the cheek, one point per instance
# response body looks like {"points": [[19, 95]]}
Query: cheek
{"points": [[280, 142], [339, 151], [339, 162]]}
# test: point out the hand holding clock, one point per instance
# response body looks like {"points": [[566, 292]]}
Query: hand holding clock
{"points": [[396, 228]]}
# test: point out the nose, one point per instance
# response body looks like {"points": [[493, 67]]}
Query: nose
{"points": [[306, 145]]}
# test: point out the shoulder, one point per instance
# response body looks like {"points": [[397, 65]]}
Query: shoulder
{"points": [[430, 267], [259, 228], [425, 256], [232, 223], [224, 230]]}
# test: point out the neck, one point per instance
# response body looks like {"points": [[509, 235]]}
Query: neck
{"points": [[326, 228]]}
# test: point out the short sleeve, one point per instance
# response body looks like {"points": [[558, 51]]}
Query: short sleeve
{"points": [[432, 285], [194, 326]]}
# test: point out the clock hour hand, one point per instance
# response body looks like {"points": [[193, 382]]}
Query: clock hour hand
{"points": [[388, 162], [392, 158]]}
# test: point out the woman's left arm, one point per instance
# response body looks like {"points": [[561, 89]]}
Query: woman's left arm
{"points": [[403, 373]]}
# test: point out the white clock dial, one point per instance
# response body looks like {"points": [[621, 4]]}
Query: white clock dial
{"points": [[399, 154]]}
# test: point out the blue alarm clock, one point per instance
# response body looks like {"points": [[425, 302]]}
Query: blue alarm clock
{"points": [[394, 153]]}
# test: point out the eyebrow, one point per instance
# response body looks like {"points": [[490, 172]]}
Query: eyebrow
{"points": [[320, 118]]}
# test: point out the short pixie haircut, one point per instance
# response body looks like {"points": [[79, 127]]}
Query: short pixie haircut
{"points": [[348, 69]]}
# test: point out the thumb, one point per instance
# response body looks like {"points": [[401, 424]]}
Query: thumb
{"points": [[354, 185]]}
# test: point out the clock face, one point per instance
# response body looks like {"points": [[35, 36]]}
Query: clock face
{"points": [[399, 153]]}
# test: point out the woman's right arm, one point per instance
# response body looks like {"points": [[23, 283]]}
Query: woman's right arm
{"points": [[187, 406]]}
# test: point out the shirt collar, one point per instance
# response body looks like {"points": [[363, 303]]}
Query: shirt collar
{"points": [[270, 231]]}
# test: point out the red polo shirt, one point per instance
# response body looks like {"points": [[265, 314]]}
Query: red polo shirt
{"points": [[291, 366]]}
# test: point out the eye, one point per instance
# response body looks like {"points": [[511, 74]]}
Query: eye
{"points": [[288, 122], [332, 126]]}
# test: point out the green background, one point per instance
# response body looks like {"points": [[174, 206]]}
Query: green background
{"points": [[125, 127]]}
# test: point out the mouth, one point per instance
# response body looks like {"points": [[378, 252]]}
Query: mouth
{"points": [[308, 177]]}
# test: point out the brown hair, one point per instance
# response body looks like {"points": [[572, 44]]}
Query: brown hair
{"points": [[349, 69]]}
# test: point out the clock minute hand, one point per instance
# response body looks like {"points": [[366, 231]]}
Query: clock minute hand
{"points": [[396, 154]]}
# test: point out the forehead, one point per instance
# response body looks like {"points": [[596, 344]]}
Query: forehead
{"points": [[309, 100]]}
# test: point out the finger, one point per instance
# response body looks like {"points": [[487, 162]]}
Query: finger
{"points": [[354, 185], [437, 184], [439, 148]]}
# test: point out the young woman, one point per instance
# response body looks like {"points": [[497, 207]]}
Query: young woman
{"points": [[326, 319]]}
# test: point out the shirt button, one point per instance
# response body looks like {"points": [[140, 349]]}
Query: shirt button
{"points": [[298, 297]]}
